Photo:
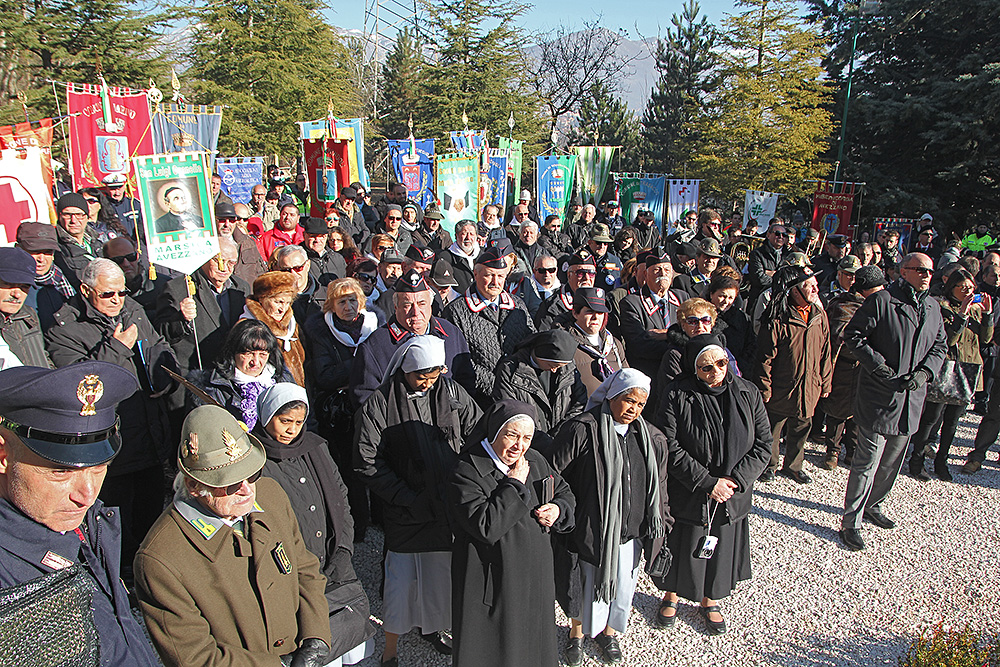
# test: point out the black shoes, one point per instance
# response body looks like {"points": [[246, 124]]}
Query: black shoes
{"points": [[609, 648], [797, 476], [941, 470], [879, 519], [574, 652], [440, 640], [766, 476], [851, 537], [714, 627], [917, 472], [666, 621]]}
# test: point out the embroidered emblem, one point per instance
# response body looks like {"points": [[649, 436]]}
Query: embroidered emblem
{"points": [[190, 449], [204, 527], [281, 559], [89, 391], [232, 446]]}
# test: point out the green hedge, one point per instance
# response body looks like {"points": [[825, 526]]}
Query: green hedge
{"points": [[940, 647]]}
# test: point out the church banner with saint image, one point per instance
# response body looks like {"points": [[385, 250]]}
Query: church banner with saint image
{"points": [[457, 187], [554, 183], [177, 212]]}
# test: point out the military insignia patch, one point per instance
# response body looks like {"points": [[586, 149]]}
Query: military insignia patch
{"points": [[89, 392], [190, 448], [232, 446], [281, 559]]}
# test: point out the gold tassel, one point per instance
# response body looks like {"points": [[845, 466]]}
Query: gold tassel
{"points": [[152, 272]]}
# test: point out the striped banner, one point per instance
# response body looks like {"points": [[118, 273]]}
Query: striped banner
{"points": [[593, 164]]}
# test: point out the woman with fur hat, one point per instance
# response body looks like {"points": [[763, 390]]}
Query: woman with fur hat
{"points": [[271, 303]]}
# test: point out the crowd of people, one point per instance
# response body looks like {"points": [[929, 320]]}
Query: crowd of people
{"points": [[533, 412]]}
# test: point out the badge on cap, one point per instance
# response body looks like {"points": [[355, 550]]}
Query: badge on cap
{"points": [[89, 392], [232, 446], [281, 559], [190, 448]]}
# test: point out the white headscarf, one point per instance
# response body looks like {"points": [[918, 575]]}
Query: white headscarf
{"points": [[618, 383], [417, 353], [277, 396]]}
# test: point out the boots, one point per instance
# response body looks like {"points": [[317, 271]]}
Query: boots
{"points": [[917, 468]]}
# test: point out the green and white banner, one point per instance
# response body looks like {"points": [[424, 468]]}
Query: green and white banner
{"points": [[592, 168], [457, 188], [178, 219], [760, 207], [515, 156]]}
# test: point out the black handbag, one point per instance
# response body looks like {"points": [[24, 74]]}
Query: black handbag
{"points": [[349, 613], [49, 621], [955, 383]]}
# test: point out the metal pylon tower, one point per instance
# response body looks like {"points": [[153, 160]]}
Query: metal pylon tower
{"points": [[383, 21]]}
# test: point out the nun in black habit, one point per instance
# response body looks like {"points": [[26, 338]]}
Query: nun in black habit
{"points": [[719, 440], [505, 498]]}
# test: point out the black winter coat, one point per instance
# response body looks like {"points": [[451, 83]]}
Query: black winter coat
{"points": [[516, 378], [23, 335]]}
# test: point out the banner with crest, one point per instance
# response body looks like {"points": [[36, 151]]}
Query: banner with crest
{"points": [[493, 181], [413, 166], [327, 171], [107, 125], [239, 175], [554, 183], [186, 128]]}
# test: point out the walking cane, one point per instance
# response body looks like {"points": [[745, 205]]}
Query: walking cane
{"points": [[194, 328]]}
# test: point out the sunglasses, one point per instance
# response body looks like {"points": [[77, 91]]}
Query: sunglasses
{"points": [[367, 277], [107, 295], [585, 272], [546, 269], [720, 364], [131, 257], [233, 488], [695, 321], [394, 219], [296, 269], [922, 270]]}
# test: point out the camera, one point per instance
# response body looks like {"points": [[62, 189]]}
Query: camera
{"points": [[706, 547]]}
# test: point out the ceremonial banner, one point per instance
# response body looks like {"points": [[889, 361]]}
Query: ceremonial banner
{"points": [[177, 214], [327, 171], [554, 183], [592, 168], [24, 195], [98, 149], [760, 207], [832, 210], [468, 142], [647, 193], [683, 195], [493, 182], [457, 187], [239, 175], [23, 136], [514, 149], [415, 171], [904, 226], [346, 129], [186, 128]]}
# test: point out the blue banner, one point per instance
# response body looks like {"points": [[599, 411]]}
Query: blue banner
{"points": [[650, 195], [467, 142], [554, 183], [416, 174], [186, 128], [239, 175], [493, 181]]}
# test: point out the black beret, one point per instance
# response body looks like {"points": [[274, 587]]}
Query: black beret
{"points": [[556, 345], [502, 245], [653, 258]]}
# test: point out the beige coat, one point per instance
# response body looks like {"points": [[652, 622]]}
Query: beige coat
{"points": [[202, 608]]}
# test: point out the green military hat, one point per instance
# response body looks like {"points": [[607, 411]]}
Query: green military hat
{"points": [[216, 449]]}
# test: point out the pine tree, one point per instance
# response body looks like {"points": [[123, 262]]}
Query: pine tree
{"points": [[687, 66], [769, 123], [273, 62], [607, 121], [73, 40], [401, 86]]}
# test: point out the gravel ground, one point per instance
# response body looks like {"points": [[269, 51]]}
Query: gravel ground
{"points": [[811, 601]]}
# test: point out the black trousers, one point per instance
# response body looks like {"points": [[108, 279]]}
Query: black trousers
{"points": [[139, 496], [936, 416], [989, 429]]}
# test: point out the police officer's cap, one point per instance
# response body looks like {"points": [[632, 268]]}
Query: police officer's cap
{"points": [[66, 415]]}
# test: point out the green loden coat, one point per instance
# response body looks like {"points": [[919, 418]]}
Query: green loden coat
{"points": [[201, 608]]}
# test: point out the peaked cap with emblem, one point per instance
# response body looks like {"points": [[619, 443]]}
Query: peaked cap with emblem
{"points": [[66, 415], [492, 258], [410, 282], [582, 257], [420, 254], [216, 450]]}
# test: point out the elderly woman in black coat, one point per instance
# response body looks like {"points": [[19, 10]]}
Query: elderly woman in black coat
{"points": [[409, 433], [720, 441], [505, 498], [615, 463], [300, 462]]}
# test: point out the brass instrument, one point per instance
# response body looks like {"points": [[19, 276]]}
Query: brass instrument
{"points": [[740, 251]]}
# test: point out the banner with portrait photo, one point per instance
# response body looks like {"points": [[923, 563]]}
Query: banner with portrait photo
{"points": [[554, 184], [457, 188], [186, 128], [413, 166], [239, 176], [833, 206], [98, 149], [177, 212]]}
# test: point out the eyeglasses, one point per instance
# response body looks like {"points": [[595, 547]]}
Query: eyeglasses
{"points": [[131, 257], [546, 269], [720, 364], [296, 269], [393, 218], [75, 216], [922, 270], [107, 295], [585, 272], [367, 277], [695, 321], [233, 488]]}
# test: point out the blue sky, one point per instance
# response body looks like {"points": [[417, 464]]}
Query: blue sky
{"points": [[548, 15]]}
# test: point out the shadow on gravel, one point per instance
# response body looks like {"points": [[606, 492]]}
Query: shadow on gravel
{"points": [[856, 651], [800, 502]]}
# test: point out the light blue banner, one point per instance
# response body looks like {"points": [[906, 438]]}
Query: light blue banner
{"points": [[416, 174], [239, 175]]}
